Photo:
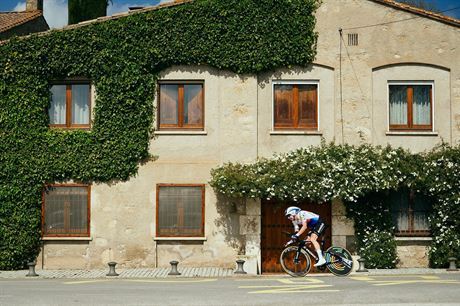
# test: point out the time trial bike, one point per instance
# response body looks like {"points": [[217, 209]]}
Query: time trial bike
{"points": [[295, 258]]}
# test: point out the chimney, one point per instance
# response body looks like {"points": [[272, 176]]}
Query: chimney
{"points": [[34, 5]]}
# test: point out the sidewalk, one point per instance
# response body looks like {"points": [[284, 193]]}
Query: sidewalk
{"points": [[188, 272], [123, 273]]}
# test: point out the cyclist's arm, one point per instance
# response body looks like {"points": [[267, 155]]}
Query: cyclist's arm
{"points": [[303, 228], [296, 227]]}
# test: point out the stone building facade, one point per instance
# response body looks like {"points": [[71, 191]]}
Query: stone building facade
{"points": [[358, 61]]}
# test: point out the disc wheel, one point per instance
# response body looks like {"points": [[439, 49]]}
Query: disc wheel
{"points": [[296, 268], [339, 261]]}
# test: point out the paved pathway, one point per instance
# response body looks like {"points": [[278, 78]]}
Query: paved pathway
{"points": [[123, 273], [188, 272]]}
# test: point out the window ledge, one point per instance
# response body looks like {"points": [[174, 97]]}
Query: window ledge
{"points": [[414, 133], [67, 238], [318, 133], [413, 238], [180, 133], [180, 238]]}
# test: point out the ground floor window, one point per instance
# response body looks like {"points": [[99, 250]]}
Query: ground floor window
{"points": [[410, 211], [66, 211], [180, 210]]}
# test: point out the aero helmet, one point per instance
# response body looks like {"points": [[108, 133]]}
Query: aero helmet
{"points": [[292, 210]]}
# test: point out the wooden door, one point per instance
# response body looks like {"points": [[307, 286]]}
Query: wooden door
{"points": [[274, 223]]}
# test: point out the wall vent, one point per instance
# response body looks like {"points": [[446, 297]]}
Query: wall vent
{"points": [[353, 39]]}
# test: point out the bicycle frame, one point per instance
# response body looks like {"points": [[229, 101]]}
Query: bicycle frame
{"points": [[303, 245], [338, 257]]}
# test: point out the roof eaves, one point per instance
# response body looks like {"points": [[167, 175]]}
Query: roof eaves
{"points": [[124, 14], [20, 21], [425, 13], [106, 18]]}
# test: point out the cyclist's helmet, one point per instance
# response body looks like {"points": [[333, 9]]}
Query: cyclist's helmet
{"points": [[292, 210]]}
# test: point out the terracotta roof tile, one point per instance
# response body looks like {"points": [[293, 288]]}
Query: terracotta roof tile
{"points": [[10, 20], [419, 11]]}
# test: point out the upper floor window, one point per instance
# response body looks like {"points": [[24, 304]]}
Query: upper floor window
{"points": [[410, 211], [180, 210], [295, 106], [66, 211], [411, 106], [181, 105], [70, 105]]}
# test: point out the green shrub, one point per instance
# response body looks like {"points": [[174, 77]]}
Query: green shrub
{"points": [[379, 250]]}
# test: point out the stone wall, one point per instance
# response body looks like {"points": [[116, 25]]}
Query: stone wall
{"points": [[412, 252]]}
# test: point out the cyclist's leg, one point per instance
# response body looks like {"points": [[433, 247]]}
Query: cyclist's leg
{"points": [[318, 231]]}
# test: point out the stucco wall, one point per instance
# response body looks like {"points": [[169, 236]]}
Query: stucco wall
{"points": [[383, 42], [353, 97]]}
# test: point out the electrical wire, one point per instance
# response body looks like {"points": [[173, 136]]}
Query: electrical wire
{"points": [[396, 21]]}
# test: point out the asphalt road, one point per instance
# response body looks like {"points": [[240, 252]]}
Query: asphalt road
{"points": [[441, 289]]}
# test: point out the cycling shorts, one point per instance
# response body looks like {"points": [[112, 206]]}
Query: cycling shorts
{"points": [[319, 228]]}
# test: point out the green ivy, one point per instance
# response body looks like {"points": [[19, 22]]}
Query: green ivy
{"points": [[122, 57], [361, 176]]}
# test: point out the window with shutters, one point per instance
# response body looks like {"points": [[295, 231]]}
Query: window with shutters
{"points": [[295, 106], [181, 105]]}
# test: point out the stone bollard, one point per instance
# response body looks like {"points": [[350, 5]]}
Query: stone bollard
{"points": [[31, 269], [174, 271], [112, 272], [452, 266], [361, 267], [240, 269]]}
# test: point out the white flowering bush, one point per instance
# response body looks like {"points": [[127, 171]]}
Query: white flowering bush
{"points": [[374, 230], [358, 175], [317, 173], [442, 180]]}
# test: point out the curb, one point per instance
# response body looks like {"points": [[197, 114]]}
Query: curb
{"points": [[190, 272]]}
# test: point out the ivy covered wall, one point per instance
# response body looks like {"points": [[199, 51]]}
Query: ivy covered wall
{"points": [[122, 58]]}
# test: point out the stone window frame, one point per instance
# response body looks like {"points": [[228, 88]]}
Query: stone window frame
{"points": [[88, 213], [201, 234]]}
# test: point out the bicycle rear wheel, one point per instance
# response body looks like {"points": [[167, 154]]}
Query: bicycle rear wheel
{"points": [[339, 261], [293, 267]]}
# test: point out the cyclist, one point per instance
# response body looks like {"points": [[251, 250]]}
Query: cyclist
{"points": [[308, 220]]}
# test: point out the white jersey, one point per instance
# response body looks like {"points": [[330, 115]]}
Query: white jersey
{"points": [[304, 215]]}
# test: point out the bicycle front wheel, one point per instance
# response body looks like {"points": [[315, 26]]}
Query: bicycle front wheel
{"points": [[293, 266], [339, 261]]}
